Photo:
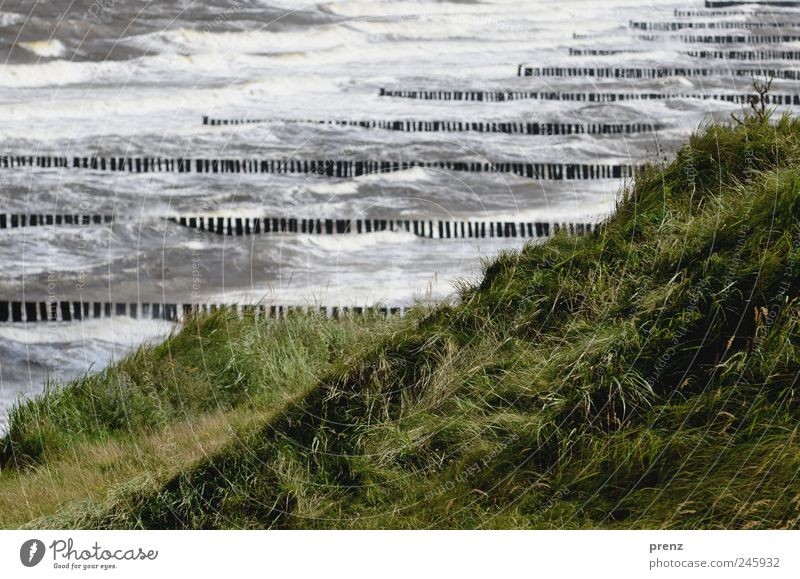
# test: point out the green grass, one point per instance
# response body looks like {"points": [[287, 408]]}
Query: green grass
{"points": [[641, 377], [164, 407]]}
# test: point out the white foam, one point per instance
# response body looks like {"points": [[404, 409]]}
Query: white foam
{"points": [[122, 331], [329, 188], [189, 41], [387, 8], [172, 69], [45, 48], [10, 18], [412, 175], [354, 241]]}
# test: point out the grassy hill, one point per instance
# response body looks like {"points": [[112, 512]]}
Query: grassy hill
{"points": [[642, 377]]}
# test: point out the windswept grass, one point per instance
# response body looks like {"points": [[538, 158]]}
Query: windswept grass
{"points": [[164, 407], [642, 377]]}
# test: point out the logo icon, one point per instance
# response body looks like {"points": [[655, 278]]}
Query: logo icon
{"points": [[31, 553]]}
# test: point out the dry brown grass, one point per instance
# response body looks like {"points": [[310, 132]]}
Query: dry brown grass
{"points": [[92, 470]]}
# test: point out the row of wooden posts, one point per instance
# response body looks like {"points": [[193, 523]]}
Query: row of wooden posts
{"points": [[591, 97], [71, 311], [324, 167], [239, 226], [454, 126]]}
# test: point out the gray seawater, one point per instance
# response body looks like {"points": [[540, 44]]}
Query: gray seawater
{"points": [[135, 77]]}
